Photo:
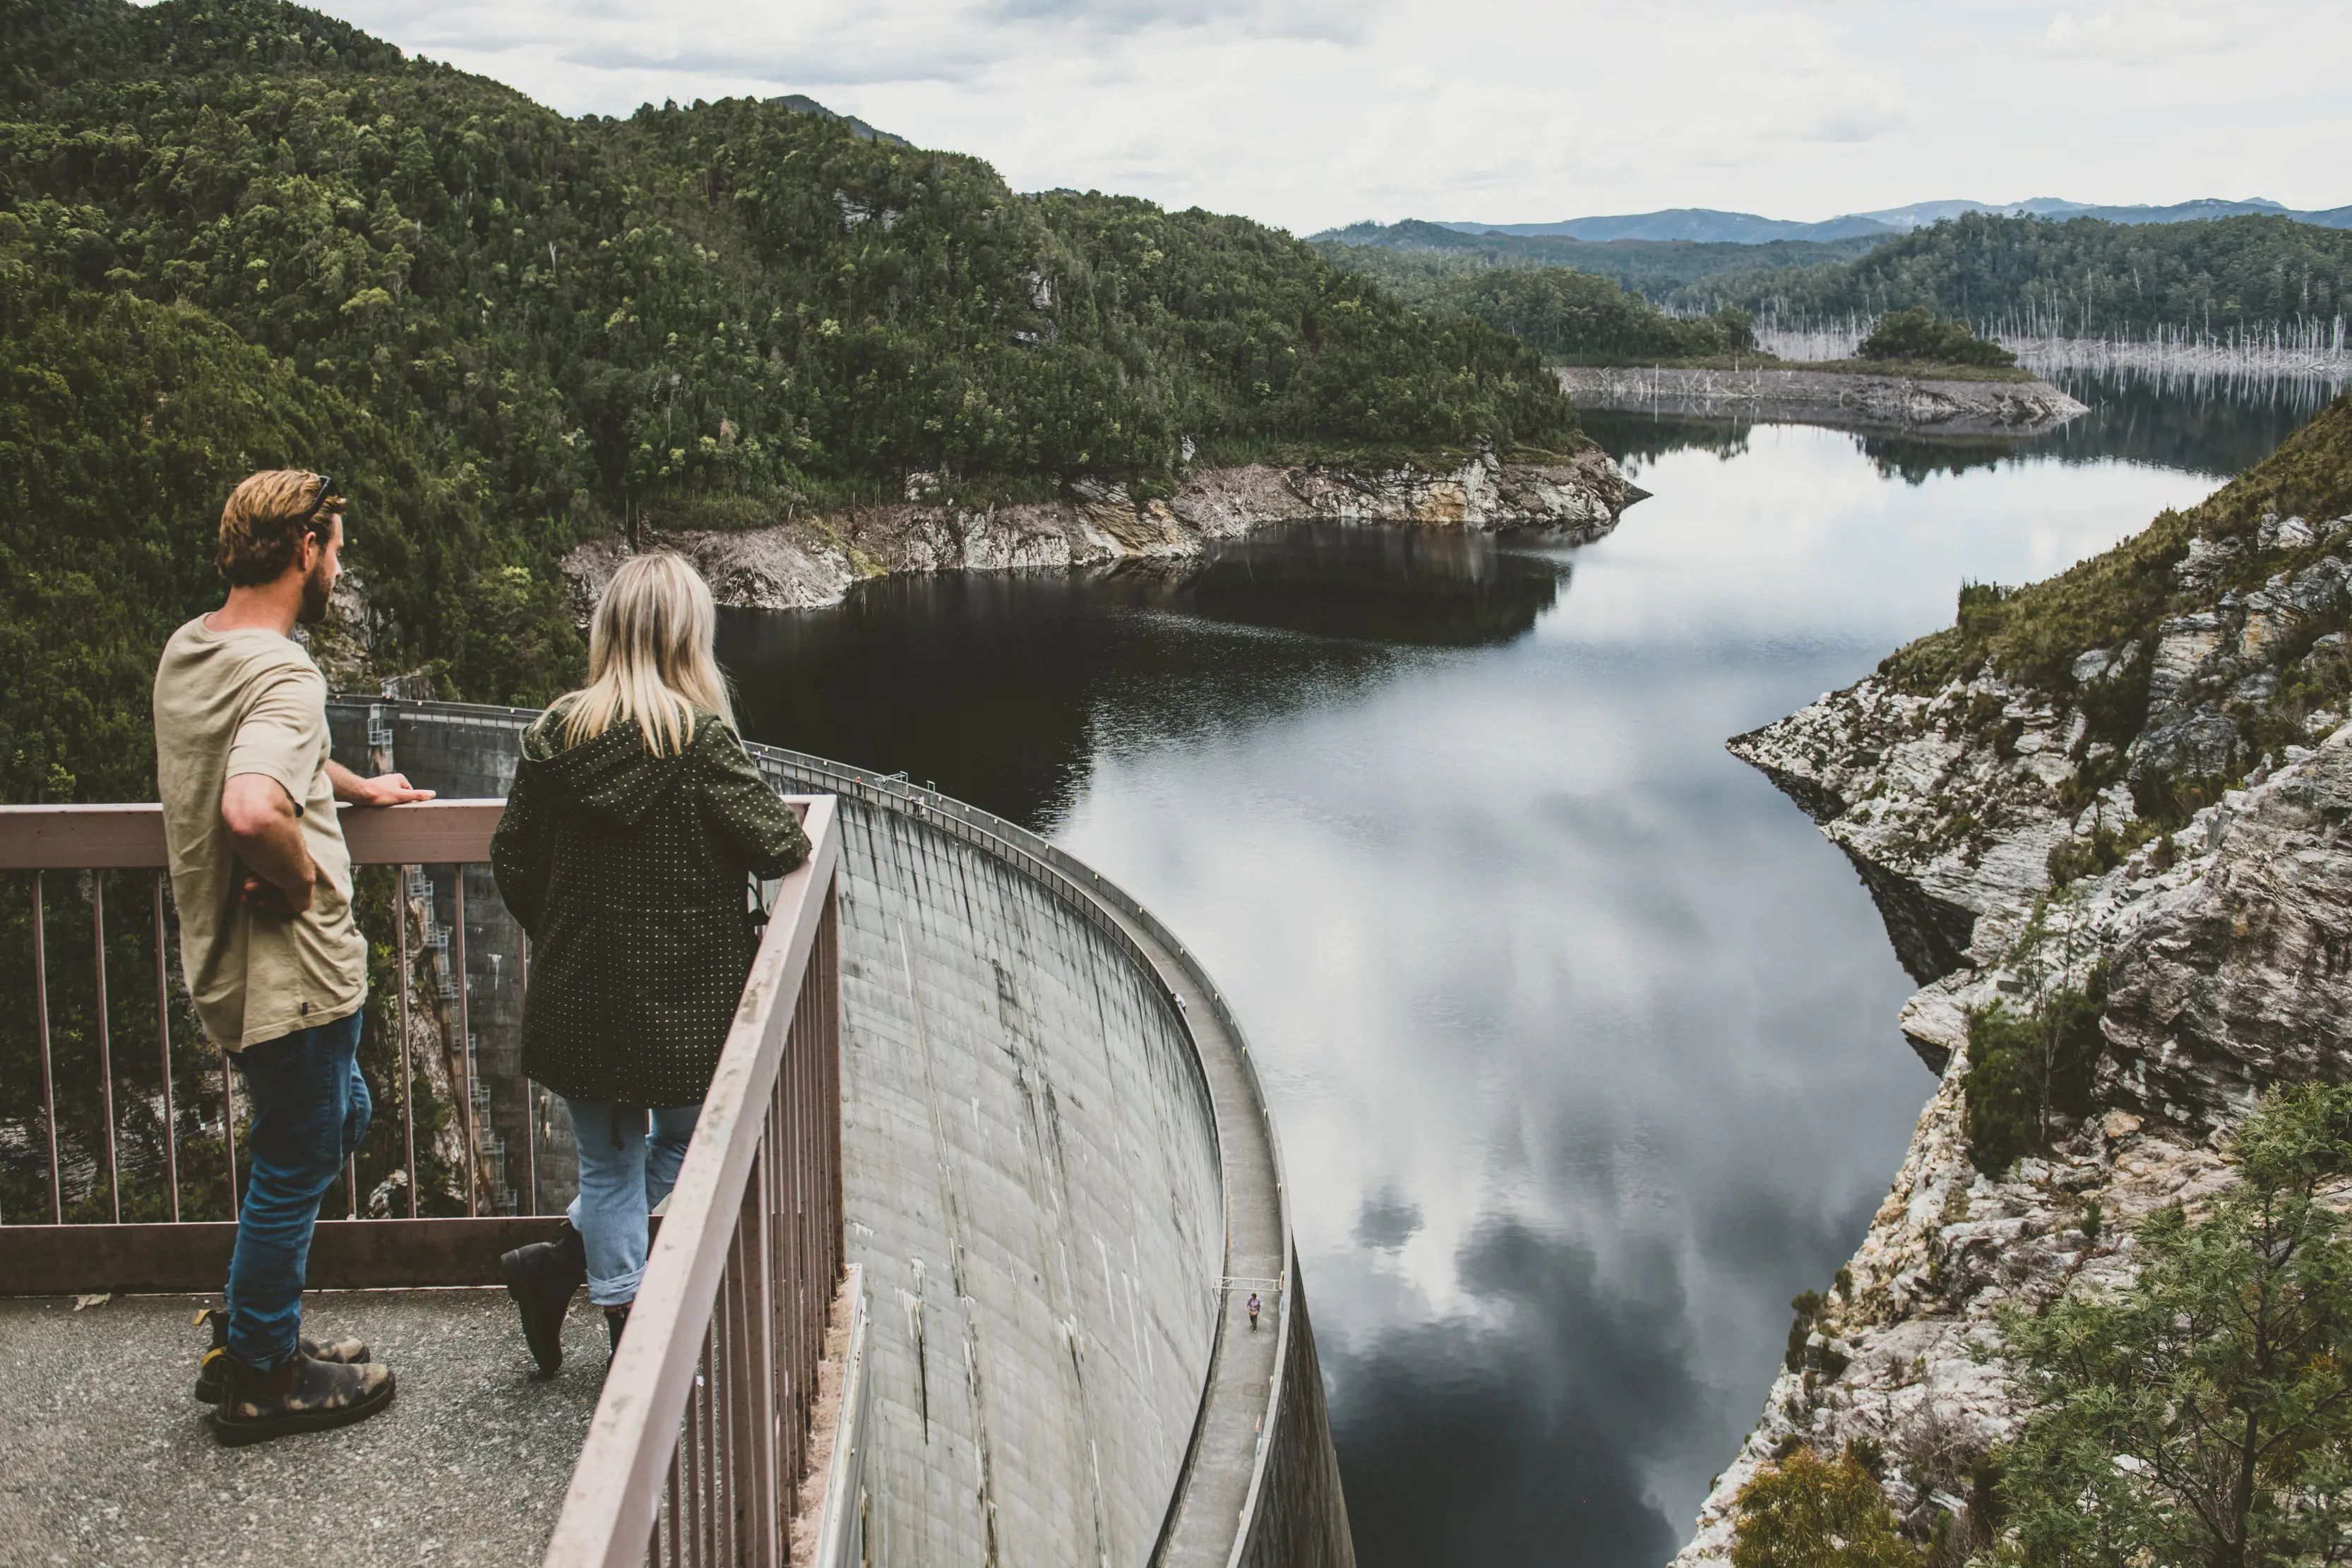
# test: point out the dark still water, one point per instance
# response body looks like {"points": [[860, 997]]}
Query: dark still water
{"points": [[1580, 1037]]}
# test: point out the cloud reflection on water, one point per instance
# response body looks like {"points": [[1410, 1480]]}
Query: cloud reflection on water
{"points": [[1581, 1041]]}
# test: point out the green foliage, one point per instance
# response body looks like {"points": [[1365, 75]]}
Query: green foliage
{"points": [[237, 233], [1398, 253], [2115, 599], [2203, 1413], [1807, 1305], [1569, 316], [2083, 277], [1918, 335], [2030, 1065], [1805, 1511], [2026, 1067]]}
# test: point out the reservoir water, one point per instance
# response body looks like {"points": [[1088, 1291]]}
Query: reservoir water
{"points": [[1581, 1040]]}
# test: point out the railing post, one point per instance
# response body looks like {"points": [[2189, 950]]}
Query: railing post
{"points": [[49, 1078], [105, 1041], [163, 1044]]}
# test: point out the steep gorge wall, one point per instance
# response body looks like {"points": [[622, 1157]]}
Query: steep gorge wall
{"points": [[2021, 833]]}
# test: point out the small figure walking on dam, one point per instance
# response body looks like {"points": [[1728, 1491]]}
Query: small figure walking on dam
{"points": [[635, 820], [1252, 1310], [277, 969]]}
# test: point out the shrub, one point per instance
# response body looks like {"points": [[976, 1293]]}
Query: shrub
{"points": [[1918, 335], [2028, 1067], [1806, 1511]]}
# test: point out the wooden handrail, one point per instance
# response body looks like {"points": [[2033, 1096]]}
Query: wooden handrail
{"points": [[129, 837], [616, 1495]]}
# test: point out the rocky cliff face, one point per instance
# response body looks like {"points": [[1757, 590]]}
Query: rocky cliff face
{"points": [[2222, 941], [806, 562], [2172, 811]]}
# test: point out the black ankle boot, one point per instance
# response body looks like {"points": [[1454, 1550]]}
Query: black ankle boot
{"points": [[616, 1319], [299, 1396], [542, 1279], [215, 1366]]}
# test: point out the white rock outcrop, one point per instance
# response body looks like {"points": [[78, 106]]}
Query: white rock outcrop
{"points": [[805, 562], [2222, 945]]}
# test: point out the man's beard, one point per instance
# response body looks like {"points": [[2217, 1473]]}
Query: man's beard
{"points": [[317, 589]]}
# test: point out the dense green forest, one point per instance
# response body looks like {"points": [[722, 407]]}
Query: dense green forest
{"points": [[1570, 318], [1651, 268], [235, 233], [2083, 277]]}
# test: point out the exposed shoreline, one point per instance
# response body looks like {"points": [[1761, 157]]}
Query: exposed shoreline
{"points": [[1926, 406], [809, 561]]}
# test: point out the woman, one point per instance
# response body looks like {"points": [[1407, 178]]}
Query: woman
{"points": [[634, 820]]}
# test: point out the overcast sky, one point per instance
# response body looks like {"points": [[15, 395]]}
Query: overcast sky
{"points": [[1307, 113]]}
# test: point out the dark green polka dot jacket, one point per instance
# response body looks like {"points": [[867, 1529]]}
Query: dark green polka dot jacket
{"points": [[627, 871]]}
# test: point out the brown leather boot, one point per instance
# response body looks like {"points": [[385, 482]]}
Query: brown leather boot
{"points": [[214, 1368], [299, 1396]]}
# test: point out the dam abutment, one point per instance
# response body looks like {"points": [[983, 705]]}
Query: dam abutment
{"points": [[1060, 1176]]}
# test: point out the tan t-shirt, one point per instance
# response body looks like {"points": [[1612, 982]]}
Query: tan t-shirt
{"points": [[252, 702]]}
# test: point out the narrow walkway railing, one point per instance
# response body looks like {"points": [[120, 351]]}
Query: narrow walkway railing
{"points": [[697, 1440], [135, 1173]]}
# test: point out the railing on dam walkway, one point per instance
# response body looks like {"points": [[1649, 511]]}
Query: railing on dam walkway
{"points": [[120, 1173]]}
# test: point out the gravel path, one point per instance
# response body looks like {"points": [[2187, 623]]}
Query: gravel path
{"points": [[105, 1459]]}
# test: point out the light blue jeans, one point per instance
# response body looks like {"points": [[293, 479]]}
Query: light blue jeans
{"points": [[625, 1168]]}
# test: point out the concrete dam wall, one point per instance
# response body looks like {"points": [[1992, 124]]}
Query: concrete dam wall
{"points": [[1059, 1174]]}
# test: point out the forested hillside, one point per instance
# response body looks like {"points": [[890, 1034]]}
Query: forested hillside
{"points": [[1570, 318], [235, 233], [1652, 269], [2083, 277]]}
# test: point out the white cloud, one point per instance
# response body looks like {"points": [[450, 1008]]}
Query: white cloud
{"points": [[1311, 112]]}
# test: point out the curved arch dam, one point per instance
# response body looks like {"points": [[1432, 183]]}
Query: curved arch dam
{"points": [[1062, 1182]]}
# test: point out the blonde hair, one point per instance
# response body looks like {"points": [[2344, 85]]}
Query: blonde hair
{"points": [[649, 657]]}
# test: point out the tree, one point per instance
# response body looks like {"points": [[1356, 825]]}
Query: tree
{"points": [[2031, 1066], [2203, 1414], [1805, 1511], [1919, 335]]}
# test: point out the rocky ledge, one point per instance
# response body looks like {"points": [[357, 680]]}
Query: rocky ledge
{"points": [[811, 560], [2163, 824], [1828, 397]]}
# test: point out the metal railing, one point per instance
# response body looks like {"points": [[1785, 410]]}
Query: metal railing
{"points": [[178, 1113], [699, 1439]]}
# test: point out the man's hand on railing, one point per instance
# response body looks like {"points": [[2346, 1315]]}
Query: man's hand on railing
{"points": [[384, 790]]}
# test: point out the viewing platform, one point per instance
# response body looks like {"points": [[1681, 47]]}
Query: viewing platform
{"points": [[950, 1276]]}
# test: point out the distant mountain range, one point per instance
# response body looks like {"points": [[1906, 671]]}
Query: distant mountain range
{"points": [[1708, 226]]}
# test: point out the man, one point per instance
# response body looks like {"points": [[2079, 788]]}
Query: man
{"points": [[277, 969]]}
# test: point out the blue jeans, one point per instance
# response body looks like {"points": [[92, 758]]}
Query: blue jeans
{"points": [[311, 1109], [625, 1168]]}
